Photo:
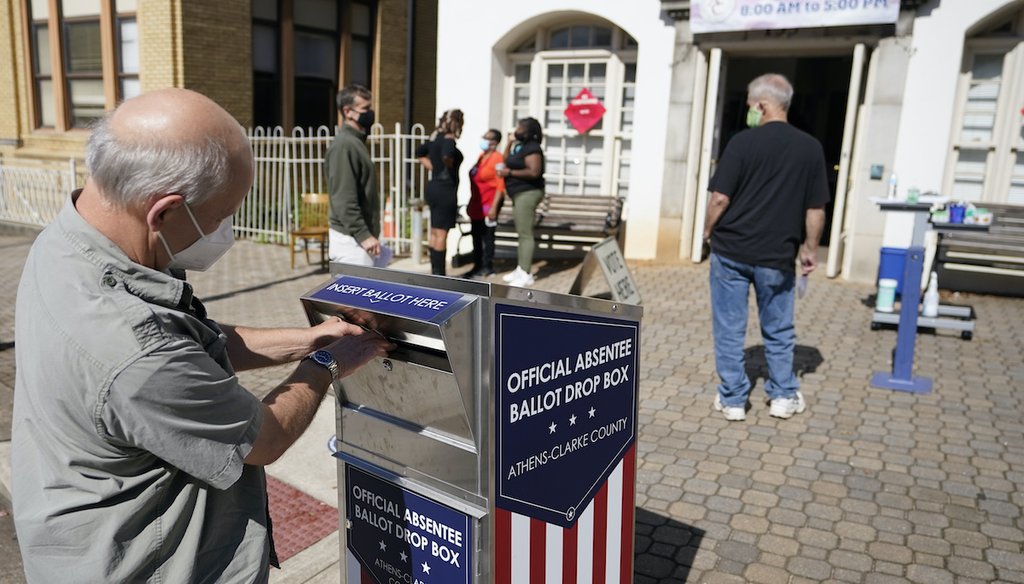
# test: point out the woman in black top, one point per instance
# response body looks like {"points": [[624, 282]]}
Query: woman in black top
{"points": [[440, 155], [524, 183]]}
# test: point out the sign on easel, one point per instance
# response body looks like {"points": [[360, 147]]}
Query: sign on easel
{"points": [[608, 255]]}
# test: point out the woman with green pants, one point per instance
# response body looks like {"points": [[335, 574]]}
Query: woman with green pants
{"points": [[524, 183]]}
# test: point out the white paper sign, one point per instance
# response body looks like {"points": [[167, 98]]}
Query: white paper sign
{"points": [[732, 15]]}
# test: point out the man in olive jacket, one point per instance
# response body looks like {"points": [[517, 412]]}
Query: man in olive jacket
{"points": [[352, 182]]}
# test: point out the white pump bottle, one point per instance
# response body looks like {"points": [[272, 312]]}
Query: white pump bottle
{"points": [[930, 306]]}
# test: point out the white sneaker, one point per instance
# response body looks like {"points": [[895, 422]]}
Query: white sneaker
{"points": [[515, 274], [523, 281], [785, 407], [731, 413]]}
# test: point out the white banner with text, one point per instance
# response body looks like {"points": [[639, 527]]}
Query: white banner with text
{"points": [[734, 15]]}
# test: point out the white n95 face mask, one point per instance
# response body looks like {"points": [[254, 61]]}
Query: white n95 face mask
{"points": [[206, 250]]}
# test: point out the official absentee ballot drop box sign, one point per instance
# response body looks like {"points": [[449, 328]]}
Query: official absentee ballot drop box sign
{"points": [[496, 443]]}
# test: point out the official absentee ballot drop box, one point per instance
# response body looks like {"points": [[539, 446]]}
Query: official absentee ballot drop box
{"points": [[496, 443]]}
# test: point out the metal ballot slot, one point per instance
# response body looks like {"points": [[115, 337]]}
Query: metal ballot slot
{"points": [[499, 407], [415, 409]]}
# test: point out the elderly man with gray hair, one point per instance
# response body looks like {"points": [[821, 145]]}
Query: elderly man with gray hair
{"points": [[765, 215], [137, 455]]}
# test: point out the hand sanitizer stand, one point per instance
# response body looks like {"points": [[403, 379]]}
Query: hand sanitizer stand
{"points": [[901, 378], [958, 318]]}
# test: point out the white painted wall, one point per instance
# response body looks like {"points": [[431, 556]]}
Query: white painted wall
{"points": [[930, 100], [470, 53], [469, 76]]}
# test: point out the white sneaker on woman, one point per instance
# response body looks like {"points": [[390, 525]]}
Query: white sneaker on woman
{"points": [[515, 274], [523, 281]]}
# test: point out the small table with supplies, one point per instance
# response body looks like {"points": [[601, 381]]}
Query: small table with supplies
{"points": [[907, 320]]}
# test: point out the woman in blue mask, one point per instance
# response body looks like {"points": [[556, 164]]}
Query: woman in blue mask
{"points": [[487, 190]]}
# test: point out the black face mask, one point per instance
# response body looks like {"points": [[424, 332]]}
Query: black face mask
{"points": [[366, 119], [520, 137]]}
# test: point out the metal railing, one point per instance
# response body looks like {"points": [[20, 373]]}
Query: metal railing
{"points": [[401, 182], [33, 192], [289, 165], [286, 166]]}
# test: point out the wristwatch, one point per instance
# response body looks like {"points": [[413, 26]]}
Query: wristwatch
{"points": [[325, 359]]}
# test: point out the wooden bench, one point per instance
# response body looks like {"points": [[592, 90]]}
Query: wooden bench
{"points": [[565, 227], [990, 262]]}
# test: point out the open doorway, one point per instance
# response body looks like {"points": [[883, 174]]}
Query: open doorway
{"points": [[821, 86]]}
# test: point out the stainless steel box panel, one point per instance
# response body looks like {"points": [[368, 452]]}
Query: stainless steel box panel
{"points": [[419, 396], [422, 387], [417, 453]]}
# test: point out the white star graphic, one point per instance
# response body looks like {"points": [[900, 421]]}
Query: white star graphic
{"points": [[572, 420], [592, 411], [552, 427], [404, 556], [383, 546], [426, 568]]}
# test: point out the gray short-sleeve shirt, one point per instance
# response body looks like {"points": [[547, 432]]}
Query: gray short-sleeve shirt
{"points": [[130, 427]]}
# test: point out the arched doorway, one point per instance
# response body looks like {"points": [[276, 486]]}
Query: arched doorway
{"points": [[549, 66]]}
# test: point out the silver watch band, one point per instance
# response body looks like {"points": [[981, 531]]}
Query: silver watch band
{"points": [[325, 360]]}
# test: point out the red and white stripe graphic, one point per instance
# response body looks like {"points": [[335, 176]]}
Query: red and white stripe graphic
{"points": [[354, 572], [597, 550]]}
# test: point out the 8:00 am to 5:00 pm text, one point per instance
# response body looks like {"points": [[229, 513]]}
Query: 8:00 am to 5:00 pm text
{"points": [[809, 6]]}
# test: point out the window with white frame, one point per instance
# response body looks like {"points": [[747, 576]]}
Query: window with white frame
{"points": [[546, 72], [986, 161]]}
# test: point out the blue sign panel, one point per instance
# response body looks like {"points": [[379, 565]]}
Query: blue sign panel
{"points": [[399, 536], [413, 302], [566, 389]]}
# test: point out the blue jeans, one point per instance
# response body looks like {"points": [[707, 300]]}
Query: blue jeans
{"points": [[773, 288]]}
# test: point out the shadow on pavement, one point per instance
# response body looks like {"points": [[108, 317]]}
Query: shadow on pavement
{"points": [[263, 286], [870, 301], [541, 268], [805, 360], [665, 548]]}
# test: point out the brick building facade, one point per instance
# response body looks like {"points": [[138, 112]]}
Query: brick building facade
{"points": [[267, 62]]}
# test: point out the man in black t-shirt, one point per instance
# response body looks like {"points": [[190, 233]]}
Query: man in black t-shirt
{"points": [[767, 209]]}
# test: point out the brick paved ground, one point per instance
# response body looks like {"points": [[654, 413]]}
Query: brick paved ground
{"points": [[869, 486], [14, 245]]}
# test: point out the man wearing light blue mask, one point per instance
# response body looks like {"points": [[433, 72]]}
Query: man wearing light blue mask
{"points": [[765, 214], [137, 456]]}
